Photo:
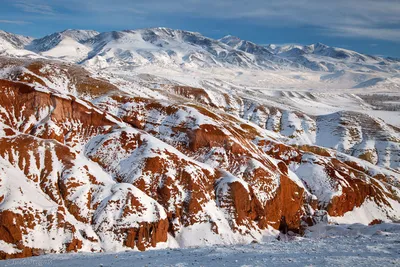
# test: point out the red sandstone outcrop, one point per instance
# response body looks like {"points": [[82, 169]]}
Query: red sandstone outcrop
{"points": [[129, 171]]}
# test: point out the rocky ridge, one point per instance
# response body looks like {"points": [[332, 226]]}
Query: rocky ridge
{"points": [[94, 160]]}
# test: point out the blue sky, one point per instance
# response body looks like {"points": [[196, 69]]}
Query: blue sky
{"points": [[368, 26]]}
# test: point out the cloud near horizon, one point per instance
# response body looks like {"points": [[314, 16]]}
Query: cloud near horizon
{"points": [[18, 22]]}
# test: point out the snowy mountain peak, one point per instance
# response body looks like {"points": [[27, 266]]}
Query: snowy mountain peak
{"points": [[319, 45], [179, 48], [162, 46], [51, 41], [79, 35], [230, 40], [13, 41]]}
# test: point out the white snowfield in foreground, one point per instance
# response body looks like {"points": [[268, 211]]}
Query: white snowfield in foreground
{"points": [[324, 245]]}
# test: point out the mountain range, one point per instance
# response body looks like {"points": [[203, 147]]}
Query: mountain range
{"points": [[177, 47], [162, 138]]}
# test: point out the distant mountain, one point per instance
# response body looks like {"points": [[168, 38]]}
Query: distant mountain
{"points": [[262, 54], [65, 45], [13, 41], [164, 46], [51, 41], [316, 57], [322, 57], [171, 48], [246, 46]]}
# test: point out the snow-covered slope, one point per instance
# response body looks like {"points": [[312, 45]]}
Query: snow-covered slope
{"points": [[261, 53], [10, 40], [322, 57], [155, 138], [13, 44], [51, 41], [164, 47], [316, 57], [66, 45]]}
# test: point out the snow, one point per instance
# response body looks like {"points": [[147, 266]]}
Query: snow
{"points": [[325, 245], [316, 92], [315, 177], [8, 248], [13, 179], [27, 198], [366, 213], [69, 50], [201, 235]]}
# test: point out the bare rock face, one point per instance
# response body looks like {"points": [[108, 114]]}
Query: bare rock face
{"points": [[288, 202], [51, 116], [124, 172]]}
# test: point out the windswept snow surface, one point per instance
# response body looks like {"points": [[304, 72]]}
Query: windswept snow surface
{"points": [[324, 245]]}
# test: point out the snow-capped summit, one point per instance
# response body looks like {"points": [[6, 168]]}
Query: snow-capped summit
{"points": [[167, 47], [277, 49], [13, 45], [293, 53], [230, 40], [163, 46], [333, 52], [13, 41], [65, 45], [321, 57], [79, 35], [320, 49], [51, 41], [246, 46]]}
